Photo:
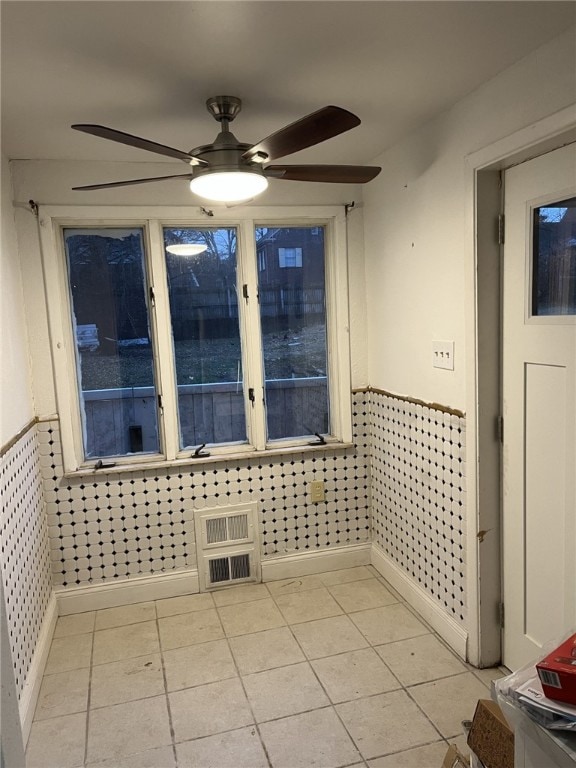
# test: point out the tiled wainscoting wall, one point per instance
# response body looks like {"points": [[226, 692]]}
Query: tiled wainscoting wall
{"points": [[402, 487], [127, 524], [25, 558], [418, 468]]}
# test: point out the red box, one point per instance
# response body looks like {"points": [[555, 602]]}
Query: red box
{"points": [[557, 672]]}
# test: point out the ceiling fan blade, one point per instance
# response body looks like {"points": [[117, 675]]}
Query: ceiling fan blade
{"points": [[306, 132], [338, 174], [133, 181], [139, 143]]}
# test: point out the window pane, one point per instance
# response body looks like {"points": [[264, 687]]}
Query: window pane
{"points": [[113, 347], [293, 317], [206, 335], [554, 259]]}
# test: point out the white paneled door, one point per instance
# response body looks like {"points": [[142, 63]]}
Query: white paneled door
{"points": [[539, 396]]}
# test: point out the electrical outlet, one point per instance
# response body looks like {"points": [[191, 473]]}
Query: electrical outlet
{"points": [[443, 354], [316, 491]]}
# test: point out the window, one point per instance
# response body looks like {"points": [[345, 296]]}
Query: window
{"points": [[114, 359], [554, 259], [293, 323], [179, 345], [206, 337], [290, 257]]}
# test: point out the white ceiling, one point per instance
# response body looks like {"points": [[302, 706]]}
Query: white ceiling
{"points": [[148, 67]]}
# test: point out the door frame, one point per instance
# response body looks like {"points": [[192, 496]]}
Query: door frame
{"points": [[484, 196]]}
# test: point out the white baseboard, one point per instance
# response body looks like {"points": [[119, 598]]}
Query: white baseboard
{"points": [[320, 561], [138, 589], [448, 629], [29, 695]]}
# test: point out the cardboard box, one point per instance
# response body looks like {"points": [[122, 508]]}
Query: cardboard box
{"points": [[454, 758], [491, 738], [557, 672]]}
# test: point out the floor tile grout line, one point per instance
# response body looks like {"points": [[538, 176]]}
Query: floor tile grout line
{"points": [[167, 697], [151, 603], [273, 669], [436, 728], [231, 589], [228, 635], [441, 740], [368, 695], [336, 712], [242, 602], [115, 704], [179, 613], [217, 733], [126, 658], [88, 700], [330, 587], [256, 725], [332, 706], [299, 592], [437, 680]]}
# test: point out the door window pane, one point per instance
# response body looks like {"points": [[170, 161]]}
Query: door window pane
{"points": [[206, 334], [293, 320], [554, 259], [114, 360]]}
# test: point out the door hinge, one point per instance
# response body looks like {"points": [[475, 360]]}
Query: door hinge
{"points": [[500, 428], [501, 229], [160, 403], [251, 396], [152, 296], [245, 291], [501, 614]]}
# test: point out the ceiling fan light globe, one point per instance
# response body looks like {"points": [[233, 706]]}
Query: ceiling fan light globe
{"points": [[228, 186], [186, 249]]}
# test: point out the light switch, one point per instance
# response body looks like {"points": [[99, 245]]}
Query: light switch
{"points": [[443, 354]]}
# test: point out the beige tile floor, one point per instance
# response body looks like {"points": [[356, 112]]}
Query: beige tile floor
{"points": [[325, 671]]}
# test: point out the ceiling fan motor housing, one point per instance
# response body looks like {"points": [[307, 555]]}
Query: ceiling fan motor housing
{"points": [[224, 107], [224, 154]]}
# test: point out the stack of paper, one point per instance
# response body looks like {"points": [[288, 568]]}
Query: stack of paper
{"points": [[552, 714]]}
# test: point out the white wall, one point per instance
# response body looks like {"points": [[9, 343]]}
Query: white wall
{"points": [[416, 237], [16, 393]]}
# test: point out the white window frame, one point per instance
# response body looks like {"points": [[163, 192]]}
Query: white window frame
{"points": [[152, 219]]}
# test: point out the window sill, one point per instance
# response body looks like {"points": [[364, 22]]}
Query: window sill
{"points": [[190, 463]]}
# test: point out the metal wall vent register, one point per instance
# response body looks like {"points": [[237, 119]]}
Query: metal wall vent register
{"points": [[227, 528], [233, 568], [228, 551]]}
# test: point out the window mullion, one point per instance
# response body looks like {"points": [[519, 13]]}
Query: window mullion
{"points": [[337, 308], [251, 336], [164, 352], [59, 312]]}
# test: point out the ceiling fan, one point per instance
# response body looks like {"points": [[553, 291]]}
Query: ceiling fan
{"points": [[230, 171]]}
